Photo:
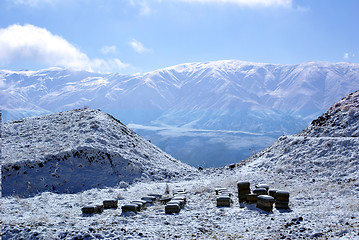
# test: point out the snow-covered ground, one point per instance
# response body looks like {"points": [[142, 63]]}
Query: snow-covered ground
{"points": [[319, 171], [318, 208]]}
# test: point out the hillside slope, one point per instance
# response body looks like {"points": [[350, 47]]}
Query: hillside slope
{"points": [[77, 150], [328, 148]]}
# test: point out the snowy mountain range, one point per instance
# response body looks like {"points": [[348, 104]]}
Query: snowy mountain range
{"points": [[228, 109], [319, 168]]}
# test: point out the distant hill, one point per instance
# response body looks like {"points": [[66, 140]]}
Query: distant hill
{"points": [[76, 150]]}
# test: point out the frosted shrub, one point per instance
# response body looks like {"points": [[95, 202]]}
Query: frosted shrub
{"points": [[229, 182], [167, 190], [345, 108], [279, 169], [203, 189], [119, 196], [352, 204], [352, 111], [25, 204], [123, 184]]}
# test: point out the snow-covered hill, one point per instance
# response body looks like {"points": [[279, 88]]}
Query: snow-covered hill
{"points": [[328, 149], [267, 100], [76, 150]]}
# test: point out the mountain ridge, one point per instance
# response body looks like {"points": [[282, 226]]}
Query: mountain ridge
{"points": [[207, 71], [225, 95]]}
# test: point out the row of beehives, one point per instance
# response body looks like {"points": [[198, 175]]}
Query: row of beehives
{"points": [[172, 204], [133, 206], [138, 205], [261, 195]]}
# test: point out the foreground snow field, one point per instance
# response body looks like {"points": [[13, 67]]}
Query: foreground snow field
{"points": [[322, 209], [319, 167]]}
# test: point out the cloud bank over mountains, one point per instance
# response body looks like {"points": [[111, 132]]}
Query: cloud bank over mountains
{"points": [[144, 4], [251, 3], [35, 44]]}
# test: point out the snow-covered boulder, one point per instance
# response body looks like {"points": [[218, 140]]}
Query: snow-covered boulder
{"points": [[77, 150]]}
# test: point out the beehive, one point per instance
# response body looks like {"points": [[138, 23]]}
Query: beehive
{"points": [[99, 208], [243, 189], [88, 210], [142, 203], [219, 189], [251, 198], [272, 192], [172, 208], [107, 204], [129, 208], [282, 200], [265, 202], [260, 191], [223, 201], [266, 186], [149, 199]]}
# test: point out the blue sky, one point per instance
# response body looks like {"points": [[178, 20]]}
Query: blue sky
{"points": [[130, 36]]}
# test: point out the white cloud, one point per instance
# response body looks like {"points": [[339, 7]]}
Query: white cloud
{"points": [[348, 56], [145, 8], [32, 3], [251, 3], [138, 46], [37, 45], [108, 65], [143, 5], [108, 49]]}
